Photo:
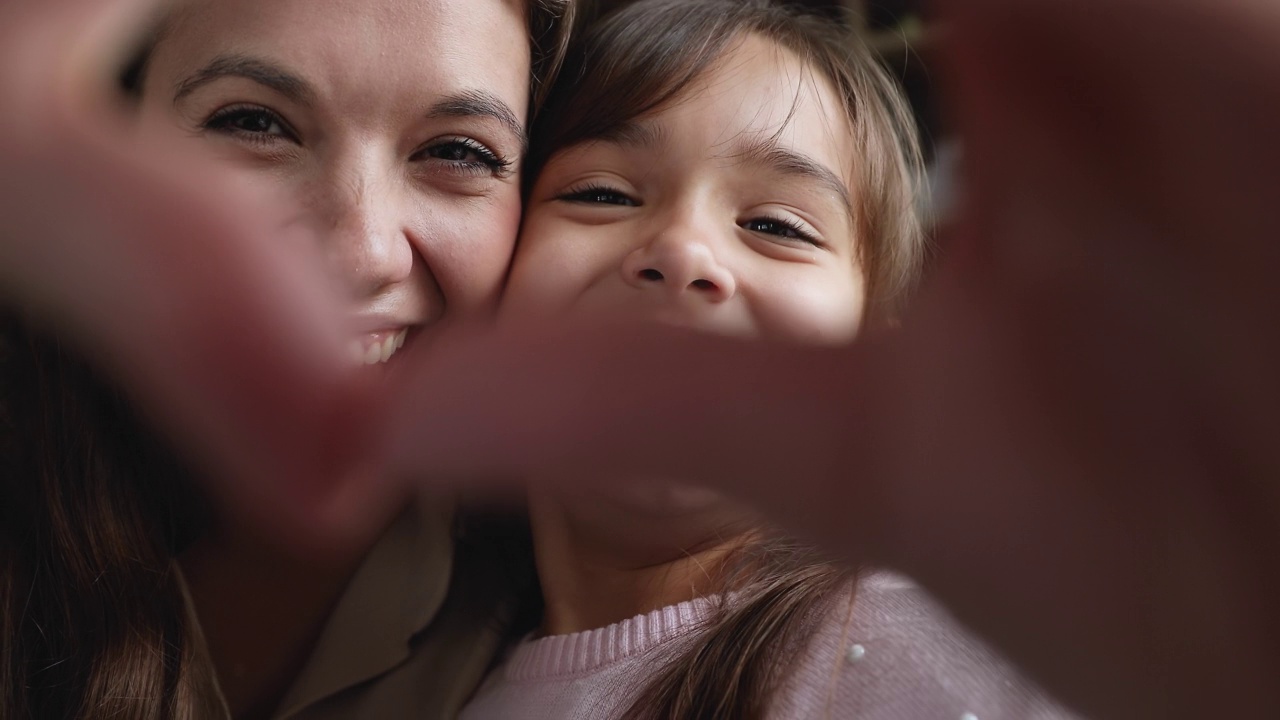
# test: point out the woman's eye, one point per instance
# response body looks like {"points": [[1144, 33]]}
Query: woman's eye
{"points": [[780, 228], [455, 152], [599, 196], [255, 122], [466, 154]]}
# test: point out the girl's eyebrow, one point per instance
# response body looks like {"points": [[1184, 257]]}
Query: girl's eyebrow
{"points": [[259, 71], [636, 135], [767, 153]]}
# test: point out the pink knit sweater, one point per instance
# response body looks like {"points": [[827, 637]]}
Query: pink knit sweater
{"points": [[900, 658]]}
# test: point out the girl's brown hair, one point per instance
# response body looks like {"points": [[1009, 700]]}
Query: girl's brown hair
{"points": [[773, 592], [774, 596], [94, 510], [642, 57]]}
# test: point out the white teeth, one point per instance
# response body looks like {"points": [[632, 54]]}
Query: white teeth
{"points": [[378, 352]]}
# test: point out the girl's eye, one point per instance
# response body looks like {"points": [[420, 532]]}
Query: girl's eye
{"points": [[466, 154], [599, 195], [255, 123], [785, 229]]}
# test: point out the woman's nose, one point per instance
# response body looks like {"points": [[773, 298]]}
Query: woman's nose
{"points": [[680, 261], [366, 238]]}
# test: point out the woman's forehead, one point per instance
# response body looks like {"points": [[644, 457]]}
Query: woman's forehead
{"points": [[373, 46], [391, 18]]}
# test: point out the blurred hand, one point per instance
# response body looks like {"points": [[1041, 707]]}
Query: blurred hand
{"points": [[1073, 439], [152, 265]]}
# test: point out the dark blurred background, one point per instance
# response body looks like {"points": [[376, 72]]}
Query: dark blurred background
{"points": [[900, 33]]}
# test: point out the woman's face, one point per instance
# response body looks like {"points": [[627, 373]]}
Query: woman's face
{"points": [[395, 128]]}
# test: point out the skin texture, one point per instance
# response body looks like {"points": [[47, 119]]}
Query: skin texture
{"points": [[690, 231], [1071, 440]]}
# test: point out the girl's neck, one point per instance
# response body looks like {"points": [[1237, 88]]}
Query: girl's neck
{"points": [[593, 575]]}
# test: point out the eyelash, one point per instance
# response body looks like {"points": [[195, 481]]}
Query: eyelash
{"points": [[590, 194], [585, 194], [221, 122], [801, 234], [489, 161]]}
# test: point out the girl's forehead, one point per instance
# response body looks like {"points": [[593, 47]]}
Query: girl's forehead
{"points": [[759, 90]]}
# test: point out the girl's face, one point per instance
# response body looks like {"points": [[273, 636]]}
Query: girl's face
{"points": [[728, 211], [393, 127]]}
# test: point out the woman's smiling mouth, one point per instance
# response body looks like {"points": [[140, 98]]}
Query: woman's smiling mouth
{"points": [[377, 347]]}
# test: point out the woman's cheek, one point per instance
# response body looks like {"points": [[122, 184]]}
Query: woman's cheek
{"points": [[468, 250]]}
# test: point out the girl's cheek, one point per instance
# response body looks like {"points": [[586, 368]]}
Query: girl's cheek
{"points": [[820, 313], [553, 261], [537, 276]]}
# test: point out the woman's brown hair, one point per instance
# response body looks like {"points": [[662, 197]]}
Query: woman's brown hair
{"points": [[773, 592], [94, 509]]}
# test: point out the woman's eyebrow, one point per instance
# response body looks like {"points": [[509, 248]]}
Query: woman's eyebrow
{"points": [[251, 68], [767, 153], [477, 103]]}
